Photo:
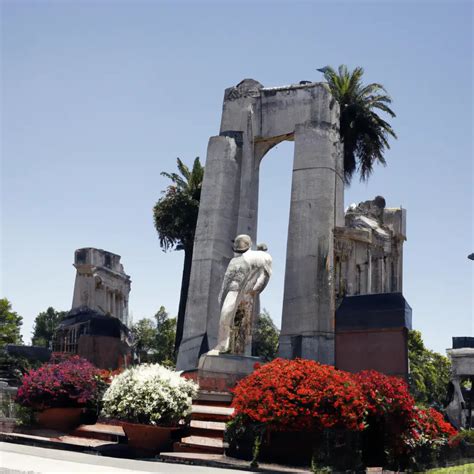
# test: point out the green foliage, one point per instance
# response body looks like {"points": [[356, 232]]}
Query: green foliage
{"points": [[175, 214], [166, 333], [265, 343], [45, 325], [364, 134], [10, 324], [13, 366], [153, 341], [429, 372], [24, 416], [463, 435], [144, 338]]}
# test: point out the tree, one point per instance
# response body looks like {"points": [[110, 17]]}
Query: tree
{"points": [[429, 372], [144, 335], [175, 216], [10, 324], [153, 341], [165, 339], [363, 133], [45, 325], [265, 343]]}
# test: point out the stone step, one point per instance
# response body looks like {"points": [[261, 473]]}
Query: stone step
{"points": [[211, 413], [219, 460], [207, 397], [180, 447], [101, 431], [203, 441], [208, 425], [61, 441], [213, 429]]}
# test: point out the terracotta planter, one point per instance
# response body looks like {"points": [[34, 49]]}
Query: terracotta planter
{"points": [[62, 419], [148, 439]]}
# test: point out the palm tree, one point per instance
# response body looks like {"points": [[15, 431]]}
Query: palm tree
{"points": [[364, 134], [175, 216]]}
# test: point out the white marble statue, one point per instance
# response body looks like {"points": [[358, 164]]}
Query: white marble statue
{"points": [[245, 278]]}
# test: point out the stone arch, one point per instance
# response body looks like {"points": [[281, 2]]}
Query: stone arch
{"points": [[254, 120]]}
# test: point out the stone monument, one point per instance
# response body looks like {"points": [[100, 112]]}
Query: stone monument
{"points": [[460, 399], [96, 326], [254, 120], [368, 250], [101, 283], [330, 256], [246, 277], [372, 317]]}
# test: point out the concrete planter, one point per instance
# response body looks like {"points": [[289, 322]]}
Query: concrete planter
{"points": [[62, 419], [148, 439]]}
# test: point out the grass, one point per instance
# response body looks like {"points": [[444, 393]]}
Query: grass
{"points": [[465, 468]]}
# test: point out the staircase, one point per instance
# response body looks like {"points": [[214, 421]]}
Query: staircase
{"points": [[210, 412], [101, 431]]}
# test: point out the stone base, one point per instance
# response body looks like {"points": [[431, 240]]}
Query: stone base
{"points": [[318, 346], [221, 372], [372, 333]]}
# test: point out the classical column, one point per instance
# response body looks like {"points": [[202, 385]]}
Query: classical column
{"points": [[215, 230], [316, 208], [369, 271], [114, 306]]}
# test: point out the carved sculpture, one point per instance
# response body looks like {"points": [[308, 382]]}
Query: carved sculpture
{"points": [[246, 277], [460, 400]]}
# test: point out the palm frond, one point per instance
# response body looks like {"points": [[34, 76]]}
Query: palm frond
{"points": [[183, 169], [363, 132]]}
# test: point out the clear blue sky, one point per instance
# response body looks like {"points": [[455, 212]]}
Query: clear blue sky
{"points": [[99, 97]]}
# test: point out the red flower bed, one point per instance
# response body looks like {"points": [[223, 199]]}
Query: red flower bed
{"points": [[65, 382], [384, 394], [301, 395], [389, 400], [427, 427]]}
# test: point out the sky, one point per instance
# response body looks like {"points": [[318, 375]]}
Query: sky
{"points": [[99, 97]]}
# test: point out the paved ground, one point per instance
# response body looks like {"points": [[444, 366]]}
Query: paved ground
{"points": [[16, 459]]}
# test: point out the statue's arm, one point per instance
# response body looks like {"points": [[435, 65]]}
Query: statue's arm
{"points": [[264, 277]]}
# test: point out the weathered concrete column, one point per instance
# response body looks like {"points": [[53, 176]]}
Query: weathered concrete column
{"points": [[308, 321], [216, 228]]}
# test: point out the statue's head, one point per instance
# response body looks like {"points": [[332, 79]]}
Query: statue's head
{"points": [[242, 243]]}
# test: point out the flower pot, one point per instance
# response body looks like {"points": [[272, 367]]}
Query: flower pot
{"points": [[148, 439], [62, 419]]}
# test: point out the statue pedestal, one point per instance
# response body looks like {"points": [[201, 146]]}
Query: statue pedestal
{"points": [[221, 372]]}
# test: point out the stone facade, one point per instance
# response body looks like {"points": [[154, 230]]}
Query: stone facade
{"points": [[101, 283], [368, 250]]}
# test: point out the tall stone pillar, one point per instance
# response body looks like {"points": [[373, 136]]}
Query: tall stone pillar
{"points": [[216, 228], [308, 321]]}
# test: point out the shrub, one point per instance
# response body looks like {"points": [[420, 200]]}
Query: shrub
{"points": [[407, 426], [151, 394], [300, 395], [370, 407], [71, 382]]}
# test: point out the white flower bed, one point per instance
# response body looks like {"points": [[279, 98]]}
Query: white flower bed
{"points": [[151, 394]]}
